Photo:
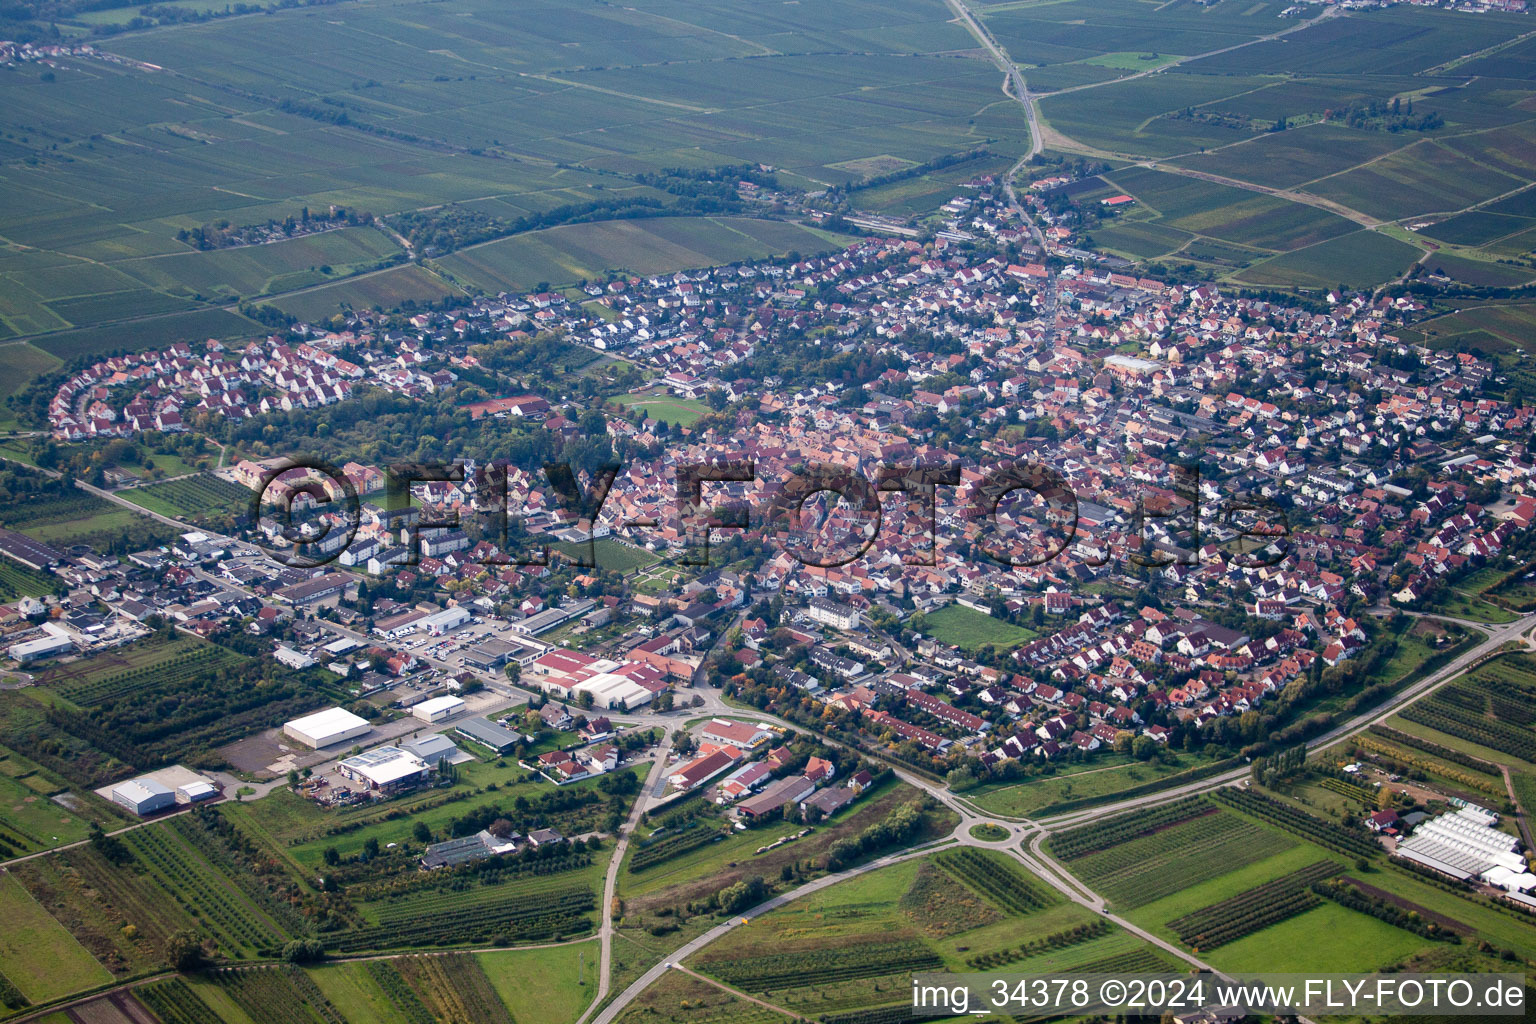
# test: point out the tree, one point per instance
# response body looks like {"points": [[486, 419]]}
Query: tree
{"points": [[332, 856], [184, 951], [371, 848], [422, 833], [303, 951]]}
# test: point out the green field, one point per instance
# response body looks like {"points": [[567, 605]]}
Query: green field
{"points": [[543, 983], [580, 252], [42, 959], [1371, 111], [1089, 781], [23, 363], [612, 555], [971, 630], [409, 105], [194, 497], [659, 405]]}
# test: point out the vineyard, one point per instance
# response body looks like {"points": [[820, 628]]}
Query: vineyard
{"points": [[1492, 707], [203, 891], [1137, 961], [174, 1003], [495, 914], [1045, 944], [454, 989], [942, 906], [192, 497], [401, 996], [278, 995], [19, 581], [693, 836], [1136, 873], [201, 831], [812, 968], [877, 1015], [1254, 910], [1276, 812], [1007, 887], [127, 894], [1101, 835]]}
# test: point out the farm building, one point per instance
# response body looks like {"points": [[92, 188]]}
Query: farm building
{"points": [[327, 728], [438, 709], [143, 796], [1465, 845], [791, 790], [479, 846], [30, 553]]}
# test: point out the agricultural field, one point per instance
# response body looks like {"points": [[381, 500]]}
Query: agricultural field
{"points": [[1271, 909], [62, 518], [1355, 260], [679, 998], [971, 630], [406, 105], [1208, 844], [42, 960], [1487, 712], [20, 581], [960, 910], [1490, 327], [236, 923], [23, 363], [579, 252], [31, 818], [1098, 779], [555, 983], [1370, 115], [194, 498], [706, 867]]}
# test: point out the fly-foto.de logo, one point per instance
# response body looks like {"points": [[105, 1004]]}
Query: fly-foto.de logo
{"points": [[823, 515]]}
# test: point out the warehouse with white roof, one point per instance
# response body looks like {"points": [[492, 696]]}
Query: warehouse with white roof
{"points": [[143, 796], [327, 728], [438, 709]]}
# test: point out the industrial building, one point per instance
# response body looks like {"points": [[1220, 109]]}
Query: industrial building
{"points": [[327, 728], [438, 709], [30, 553], [47, 646], [612, 684], [435, 748], [544, 621], [445, 621], [488, 734], [143, 796], [387, 769]]}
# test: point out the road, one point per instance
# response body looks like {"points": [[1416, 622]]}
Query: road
{"points": [[611, 880]]}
